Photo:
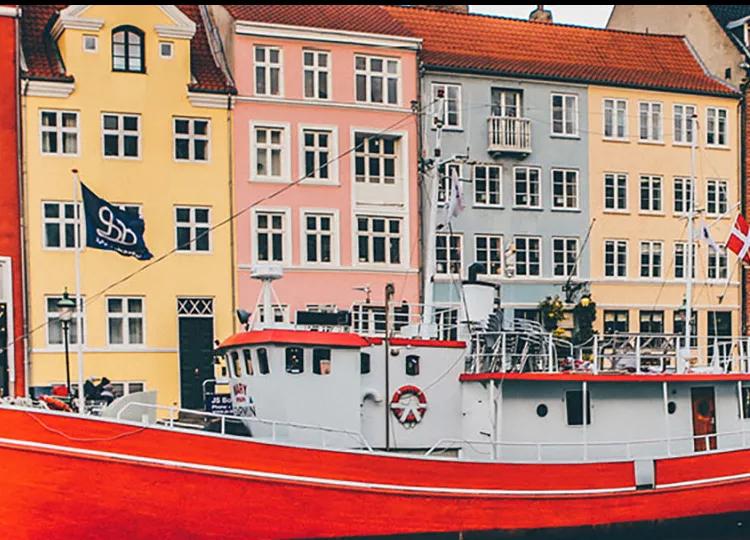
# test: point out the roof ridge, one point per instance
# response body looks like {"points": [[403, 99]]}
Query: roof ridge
{"points": [[526, 21]]}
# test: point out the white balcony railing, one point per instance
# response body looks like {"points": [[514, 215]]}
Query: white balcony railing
{"points": [[509, 134]]}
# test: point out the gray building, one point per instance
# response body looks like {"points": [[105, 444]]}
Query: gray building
{"points": [[525, 184]]}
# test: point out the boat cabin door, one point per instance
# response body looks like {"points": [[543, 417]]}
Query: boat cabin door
{"points": [[704, 418]]}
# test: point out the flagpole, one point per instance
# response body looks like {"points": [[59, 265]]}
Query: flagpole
{"points": [[690, 247], [79, 303]]}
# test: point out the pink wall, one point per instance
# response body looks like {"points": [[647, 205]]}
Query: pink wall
{"points": [[334, 285]]}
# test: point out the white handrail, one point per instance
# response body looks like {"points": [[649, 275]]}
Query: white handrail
{"points": [[224, 417]]}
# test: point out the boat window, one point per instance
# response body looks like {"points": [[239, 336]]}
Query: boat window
{"points": [[322, 361], [248, 361], [412, 364], [574, 405], [236, 367], [263, 361], [671, 407], [541, 410], [364, 363], [295, 360], [745, 402]]}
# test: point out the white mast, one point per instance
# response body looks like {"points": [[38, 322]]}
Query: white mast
{"points": [[690, 247], [433, 177]]}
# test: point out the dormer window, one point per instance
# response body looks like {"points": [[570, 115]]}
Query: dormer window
{"points": [[127, 49]]}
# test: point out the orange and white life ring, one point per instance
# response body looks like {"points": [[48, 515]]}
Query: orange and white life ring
{"points": [[409, 405], [55, 404]]}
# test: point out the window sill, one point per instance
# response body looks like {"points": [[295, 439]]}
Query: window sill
{"points": [[316, 182], [616, 139], [725, 215], [616, 212], [648, 141], [652, 214], [487, 206], [718, 147], [269, 180], [566, 210], [574, 136], [449, 128], [530, 208]]}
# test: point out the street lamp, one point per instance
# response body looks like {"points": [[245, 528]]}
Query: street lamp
{"points": [[66, 308]]}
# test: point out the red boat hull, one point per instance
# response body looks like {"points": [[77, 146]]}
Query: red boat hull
{"points": [[89, 478]]}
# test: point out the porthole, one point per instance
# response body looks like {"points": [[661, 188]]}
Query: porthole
{"points": [[541, 410], [671, 407]]}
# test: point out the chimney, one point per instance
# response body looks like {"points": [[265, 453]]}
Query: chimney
{"points": [[453, 8], [540, 14]]}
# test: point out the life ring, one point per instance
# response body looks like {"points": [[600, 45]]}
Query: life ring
{"points": [[55, 404], [409, 405]]}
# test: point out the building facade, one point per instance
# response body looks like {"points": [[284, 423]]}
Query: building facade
{"points": [[135, 99], [325, 157], [12, 343], [719, 34]]}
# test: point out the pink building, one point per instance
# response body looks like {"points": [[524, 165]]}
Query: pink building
{"points": [[325, 146]]}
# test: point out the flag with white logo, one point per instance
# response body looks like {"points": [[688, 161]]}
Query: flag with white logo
{"points": [[739, 239], [456, 200], [112, 228], [705, 235]]}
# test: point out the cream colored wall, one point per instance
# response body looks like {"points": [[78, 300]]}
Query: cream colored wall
{"points": [[667, 160], [155, 181]]}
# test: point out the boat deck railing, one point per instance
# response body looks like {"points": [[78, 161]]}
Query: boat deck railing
{"points": [[273, 430], [592, 451], [514, 351]]}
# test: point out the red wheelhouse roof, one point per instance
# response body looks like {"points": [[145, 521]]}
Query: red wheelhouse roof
{"points": [[296, 337]]}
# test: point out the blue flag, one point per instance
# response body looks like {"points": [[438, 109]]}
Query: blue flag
{"points": [[112, 228]]}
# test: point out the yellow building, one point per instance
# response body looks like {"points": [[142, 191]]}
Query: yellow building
{"points": [[135, 98], [640, 168]]}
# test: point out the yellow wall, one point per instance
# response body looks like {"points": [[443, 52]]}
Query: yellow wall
{"points": [[667, 160], [155, 181]]}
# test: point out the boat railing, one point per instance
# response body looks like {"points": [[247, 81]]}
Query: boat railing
{"points": [[592, 451], [276, 428], [514, 351]]}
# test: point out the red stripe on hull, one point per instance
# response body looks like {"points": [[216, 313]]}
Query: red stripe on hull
{"points": [[47, 491]]}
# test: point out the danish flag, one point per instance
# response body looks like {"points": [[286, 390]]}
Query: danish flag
{"points": [[739, 239]]}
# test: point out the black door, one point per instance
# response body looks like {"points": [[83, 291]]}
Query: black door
{"points": [[196, 359], [4, 376]]}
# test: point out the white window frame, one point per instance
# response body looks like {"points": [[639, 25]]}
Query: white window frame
{"points": [[370, 234], [120, 132], [449, 261], [686, 123], [565, 184], [286, 235], [566, 113], [283, 147], [48, 315], [125, 316], [316, 69], [364, 153], [611, 106], [278, 309], [369, 74], [95, 41], [61, 221], [59, 130], [650, 245], [651, 178], [716, 131], [488, 261], [447, 126], [267, 66], [333, 214], [170, 44], [619, 248], [681, 247], [650, 106], [538, 239], [333, 151], [617, 178], [717, 264], [488, 183], [191, 137], [721, 184], [687, 188], [193, 225], [566, 255], [529, 184]]}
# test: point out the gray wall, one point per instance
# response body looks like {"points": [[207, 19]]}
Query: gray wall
{"points": [[548, 151]]}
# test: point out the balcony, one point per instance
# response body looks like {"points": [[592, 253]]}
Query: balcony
{"points": [[509, 135]]}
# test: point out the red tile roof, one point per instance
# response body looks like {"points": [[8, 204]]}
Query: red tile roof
{"points": [[43, 60], [370, 19], [519, 48]]}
